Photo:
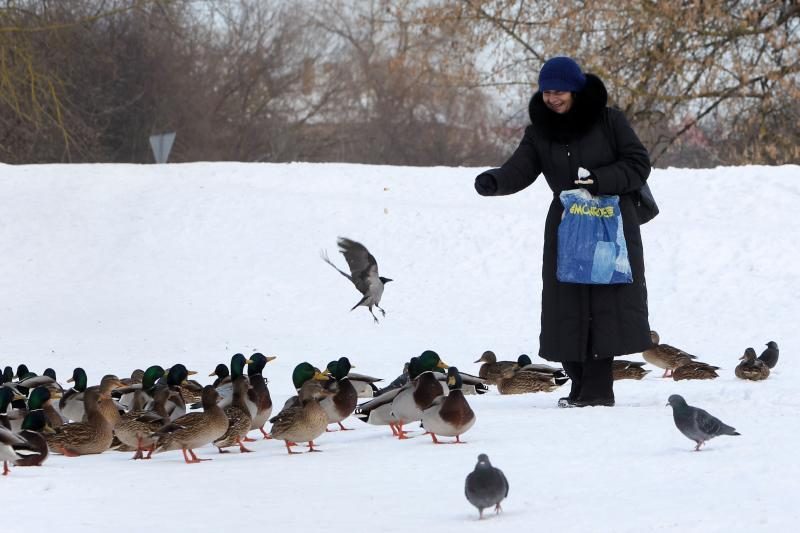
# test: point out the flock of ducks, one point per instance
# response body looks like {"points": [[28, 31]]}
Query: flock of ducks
{"points": [[158, 410]]}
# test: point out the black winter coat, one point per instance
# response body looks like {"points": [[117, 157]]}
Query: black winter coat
{"points": [[581, 321]]}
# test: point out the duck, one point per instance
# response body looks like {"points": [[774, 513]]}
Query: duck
{"points": [[665, 356], [259, 392], [306, 420], [84, 438], [623, 369], [302, 373], [71, 402], [527, 377], [343, 403], [42, 398], [33, 426], [193, 430], [751, 368], [493, 370], [176, 405], [451, 415], [10, 416], [225, 389], [107, 405], [126, 399], [364, 384], [695, 370], [12, 448], [408, 405], [378, 411], [135, 427], [221, 372], [239, 419]]}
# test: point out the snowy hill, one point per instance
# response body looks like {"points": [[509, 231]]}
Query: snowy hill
{"points": [[113, 267]]}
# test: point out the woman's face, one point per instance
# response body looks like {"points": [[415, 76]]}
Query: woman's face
{"points": [[558, 101]]}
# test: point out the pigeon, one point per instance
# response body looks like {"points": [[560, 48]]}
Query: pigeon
{"points": [[696, 423], [770, 355], [486, 486], [363, 273]]}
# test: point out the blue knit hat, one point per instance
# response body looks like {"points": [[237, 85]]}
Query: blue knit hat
{"points": [[561, 74]]}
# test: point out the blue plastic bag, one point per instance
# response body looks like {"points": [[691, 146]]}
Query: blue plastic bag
{"points": [[591, 243]]}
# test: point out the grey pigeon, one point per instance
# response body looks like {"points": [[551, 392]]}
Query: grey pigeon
{"points": [[696, 423], [363, 273], [770, 355], [486, 486]]}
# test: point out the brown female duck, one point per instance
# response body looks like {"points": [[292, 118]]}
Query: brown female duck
{"points": [[622, 369], [493, 370], [665, 356], [451, 415], [751, 368], [239, 419], [305, 421], [194, 429], [527, 377], [695, 370], [84, 438]]}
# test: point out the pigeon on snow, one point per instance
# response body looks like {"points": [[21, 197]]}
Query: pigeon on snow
{"points": [[697, 424], [363, 273], [486, 486]]}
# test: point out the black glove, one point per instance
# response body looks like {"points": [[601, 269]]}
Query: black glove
{"points": [[486, 185], [591, 187]]}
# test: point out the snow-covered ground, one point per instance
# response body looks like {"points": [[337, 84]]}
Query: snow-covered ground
{"points": [[113, 267]]}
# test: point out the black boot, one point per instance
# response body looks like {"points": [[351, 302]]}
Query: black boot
{"points": [[592, 383]]}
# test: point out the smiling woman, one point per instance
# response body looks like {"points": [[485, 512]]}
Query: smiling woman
{"points": [[576, 141]]}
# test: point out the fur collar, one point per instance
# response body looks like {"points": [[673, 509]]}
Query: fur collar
{"points": [[587, 109]]}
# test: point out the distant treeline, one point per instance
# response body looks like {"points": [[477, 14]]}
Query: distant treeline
{"points": [[404, 82]]}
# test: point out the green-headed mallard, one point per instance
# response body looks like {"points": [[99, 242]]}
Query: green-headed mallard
{"points": [[695, 370], [527, 377], [33, 426], [307, 420], [71, 402], [493, 370], [84, 438], [238, 362], [665, 356], [194, 429], [622, 369], [408, 405], [340, 405], [176, 404], [41, 398], [239, 418], [12, 448], [259, 392], [751, 368], [302, 373], [451, 415], [10, 417], [135, 428]]}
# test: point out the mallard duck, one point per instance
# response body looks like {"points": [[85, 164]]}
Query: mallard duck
{"points": [[451, 415], [71, 402], [493, 370], [33, 426], [107, 406], [225, 389], [12, 448], [84, 438], [176, 405], [364, 385], [194, 429], [665, 356], [41, 398], [408, 405], [623, 369], [695, 370], [221, 372], [259, 392], [527, 377], [340, 405], [378, 411], [751, 368], [302, 373], [10, 417], [7, 376], [239, 419], [135, 428], [126, 398], [307, 420]]}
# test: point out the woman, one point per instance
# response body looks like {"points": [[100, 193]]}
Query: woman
{"points": [[583, 326]]}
